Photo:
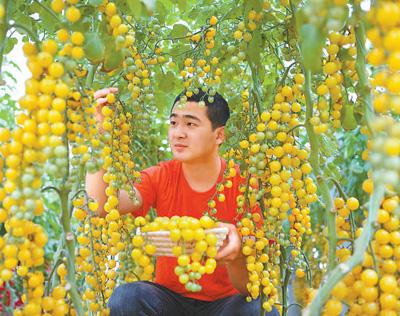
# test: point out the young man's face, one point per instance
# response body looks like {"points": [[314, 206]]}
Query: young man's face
{"points": [[190, 133]]}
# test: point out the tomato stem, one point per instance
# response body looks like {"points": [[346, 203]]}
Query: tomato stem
{"points": [[3, 32], [363, 87], [70, 247], [322, 184], [360, 246], [90, 76], [51, 12]]}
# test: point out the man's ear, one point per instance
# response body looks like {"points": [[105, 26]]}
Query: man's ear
{"points": [[220, 135]]}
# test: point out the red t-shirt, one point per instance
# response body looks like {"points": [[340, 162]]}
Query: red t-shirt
{"points": [[165, 188]]}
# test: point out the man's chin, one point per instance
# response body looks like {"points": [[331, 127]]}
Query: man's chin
{"points": [[180, 157]]}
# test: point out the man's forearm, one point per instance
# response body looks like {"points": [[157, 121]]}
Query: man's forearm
{"points": [[238, 274], [95, 187]]}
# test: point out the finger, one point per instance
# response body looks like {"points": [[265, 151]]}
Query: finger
{"points": [[101, 101], [103, 92], [218, 255], [225, 260], [100, 93], [226, 251]]}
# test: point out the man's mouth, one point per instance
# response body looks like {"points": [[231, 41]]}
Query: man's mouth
{"points": [[179, 146]]}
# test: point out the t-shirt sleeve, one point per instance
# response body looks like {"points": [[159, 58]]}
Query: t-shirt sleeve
{"points": [[148, 188]]}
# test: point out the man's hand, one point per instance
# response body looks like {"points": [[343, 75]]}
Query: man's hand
{"points": [[101, 97], [231, 255], [231, 248]]}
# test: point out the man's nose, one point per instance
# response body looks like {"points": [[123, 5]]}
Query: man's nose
{"points": [[179, 132]]}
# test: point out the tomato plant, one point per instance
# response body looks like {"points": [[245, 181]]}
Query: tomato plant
{"points": [[313, 88]]}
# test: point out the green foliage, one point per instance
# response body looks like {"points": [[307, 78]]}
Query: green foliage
{"points": [[288, 41], [94, 47]]}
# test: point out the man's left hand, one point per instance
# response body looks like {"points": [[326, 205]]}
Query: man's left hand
{"points": [[231, 248]]}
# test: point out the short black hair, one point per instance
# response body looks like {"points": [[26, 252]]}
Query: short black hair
{"points": [[217, 110]]}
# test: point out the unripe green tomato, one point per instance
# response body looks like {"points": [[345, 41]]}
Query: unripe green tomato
{"points": [[120, 41], [48, 151], [264, 148], [75, 161], [189, 286], [74, 172], [27, 178], [28, 215], [61, 162], [234, 60], [231, 49], [131, 69], [28, 192], [18, 213], [68, 184], [60, 151], [91, 166], [70, 65], [99, 162], [30, 205], [51, 169], [130, 61], [16, 195], [260, 136], [269, 135]]}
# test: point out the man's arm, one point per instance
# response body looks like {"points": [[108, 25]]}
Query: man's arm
{"points": [[231, 255], [96, 187], [238, 274]]}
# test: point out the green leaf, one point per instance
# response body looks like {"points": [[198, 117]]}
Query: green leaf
{"points": [[181, 4], [150, 4], [24, 20], [311, 43], [327, 145], [164, 100], [253, 52], [355, 167], [235, 13], [95, 2], [347, 117], [271, 17], [179, 30], [10, 43], [160, 11], [166, 82], [48, 21], [253, 5], [94, 47], [113, 58], [135, 8]]}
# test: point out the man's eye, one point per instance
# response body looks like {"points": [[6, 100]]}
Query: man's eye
{"points": [[190, 124], [172, 123]]}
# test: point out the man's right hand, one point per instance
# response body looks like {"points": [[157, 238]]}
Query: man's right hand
{"points": [[101, 97]]}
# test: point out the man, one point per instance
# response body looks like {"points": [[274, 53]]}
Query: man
{"points": [[183, 186]]}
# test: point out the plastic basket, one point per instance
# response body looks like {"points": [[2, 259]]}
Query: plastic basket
{"points": [[164, 244]]}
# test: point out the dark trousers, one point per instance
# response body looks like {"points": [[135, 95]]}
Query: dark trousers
{"points": [[150, 299]]}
